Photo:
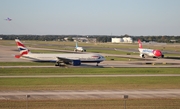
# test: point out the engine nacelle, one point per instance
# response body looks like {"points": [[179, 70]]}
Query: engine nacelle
{"points": [[142, 55], [162, 56], [76, 62]]}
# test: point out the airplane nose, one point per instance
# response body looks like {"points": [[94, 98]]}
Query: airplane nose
{"points": [[157, 53]]}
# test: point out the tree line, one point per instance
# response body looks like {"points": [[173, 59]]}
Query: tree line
{"points": [[99, 38]]}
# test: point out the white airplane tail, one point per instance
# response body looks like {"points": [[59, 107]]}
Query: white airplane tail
{"points": [[22, 49], [140, 44], [76, 44]]}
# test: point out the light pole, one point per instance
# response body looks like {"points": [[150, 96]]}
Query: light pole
{"points": [[125, 97], [27, 96]]}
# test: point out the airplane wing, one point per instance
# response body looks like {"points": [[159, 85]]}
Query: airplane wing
{"points": [[74, 62]]}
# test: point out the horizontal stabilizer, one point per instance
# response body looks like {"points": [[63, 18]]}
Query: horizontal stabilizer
{"points": [[17, 56]]}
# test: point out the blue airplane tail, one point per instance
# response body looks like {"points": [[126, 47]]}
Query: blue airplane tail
{"points": [[76, 44]]}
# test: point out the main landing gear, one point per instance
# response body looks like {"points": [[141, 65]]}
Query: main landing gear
{"points": [[60, 64], [97, 63]]}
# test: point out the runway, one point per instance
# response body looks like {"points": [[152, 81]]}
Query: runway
{"points": [[111, 64], [88, 94]]}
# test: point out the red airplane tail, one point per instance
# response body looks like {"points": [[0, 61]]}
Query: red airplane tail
{"points": [[22, 49], [140, 44]]}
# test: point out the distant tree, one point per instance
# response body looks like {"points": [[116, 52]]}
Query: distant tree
{"points": [[149, 38], [126, 35]]}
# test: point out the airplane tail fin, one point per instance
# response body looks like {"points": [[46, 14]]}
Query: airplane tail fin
{"points": [[140, 44], [22, 49], [76, 44]]}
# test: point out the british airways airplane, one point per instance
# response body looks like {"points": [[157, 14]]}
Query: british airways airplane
{"points": [[60, 59], [149, 52]]}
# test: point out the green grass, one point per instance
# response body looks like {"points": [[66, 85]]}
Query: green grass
{"points": [[78, 83], [93, 104], [26, 64], [89, 83], [91, 47], [116, 58], [110, 51], [46, 51], [85, 71], [172, 55]]}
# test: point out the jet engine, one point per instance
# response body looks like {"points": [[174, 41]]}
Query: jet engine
{"points": [[142, 56], [162, 56]]}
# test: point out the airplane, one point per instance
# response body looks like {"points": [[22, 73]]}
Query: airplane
{"points": [[8, 19], [149, 52], [79, 48], [60, 59]]}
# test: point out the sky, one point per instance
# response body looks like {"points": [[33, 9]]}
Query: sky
{"points": [[90, 17]]}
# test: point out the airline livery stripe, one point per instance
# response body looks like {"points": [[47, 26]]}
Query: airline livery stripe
{"points": [[22, 49], [25, 52], [20, 44]]}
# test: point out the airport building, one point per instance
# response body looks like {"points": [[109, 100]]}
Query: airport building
{"points": [[122, 40]]}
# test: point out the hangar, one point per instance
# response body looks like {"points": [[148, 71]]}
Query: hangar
{"points": [[122, 40]]}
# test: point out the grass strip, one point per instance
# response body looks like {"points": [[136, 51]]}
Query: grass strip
{"points": [[84, 71], [92, 104], [89, 83], [26, 63]]}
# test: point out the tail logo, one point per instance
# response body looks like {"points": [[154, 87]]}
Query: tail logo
{"points": [[23, 50], [76, 44], [140, 44]]}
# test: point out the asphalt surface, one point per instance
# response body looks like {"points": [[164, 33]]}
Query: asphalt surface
{"points": [[113, 64], [7, 55], [88, 94]]}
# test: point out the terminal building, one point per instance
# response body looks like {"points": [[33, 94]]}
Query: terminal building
{"points": [[122, 40]]}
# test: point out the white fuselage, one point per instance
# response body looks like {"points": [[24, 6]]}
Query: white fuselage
{"points": [[148, 52], [80, 48], [54, 57]]}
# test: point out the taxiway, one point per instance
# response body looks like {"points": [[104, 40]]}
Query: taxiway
{"points": [[88, 94]]}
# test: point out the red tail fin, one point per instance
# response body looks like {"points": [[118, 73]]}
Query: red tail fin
{"points": [[140, 44], [22, 49]]}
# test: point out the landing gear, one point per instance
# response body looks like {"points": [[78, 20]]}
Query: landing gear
{"points": [[57, 64], [162, 56], [97, 64]]}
